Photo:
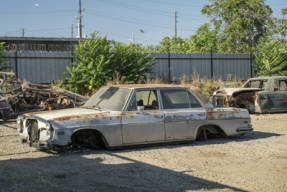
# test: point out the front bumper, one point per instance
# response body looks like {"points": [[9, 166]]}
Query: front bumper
{"points": [[39, 145]]}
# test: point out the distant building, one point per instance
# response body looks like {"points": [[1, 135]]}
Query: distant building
{"points": [[39, 43]]}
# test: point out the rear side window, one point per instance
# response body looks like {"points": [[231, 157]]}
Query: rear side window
{"points": [[177, 99]]}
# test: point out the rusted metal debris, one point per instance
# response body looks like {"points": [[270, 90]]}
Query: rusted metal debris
{"points": [[18, 97]]}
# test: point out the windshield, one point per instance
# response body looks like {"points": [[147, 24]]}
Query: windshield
{"points": [[111, 98], [255, 84]]}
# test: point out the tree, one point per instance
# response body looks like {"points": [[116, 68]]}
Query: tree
{"points": [[98, 61], [272, 60], [173, 45], [94, 64], [203, 39], [3, 57], [241, 23], [131, 65], [165, 45]]}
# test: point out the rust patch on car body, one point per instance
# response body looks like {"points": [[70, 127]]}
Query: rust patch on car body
{"points": [[89, 116], [136, 86], [218, 113]]}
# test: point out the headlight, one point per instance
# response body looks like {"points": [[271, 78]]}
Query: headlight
{"points": [[20, 128], [48, 126], [49, 134], [19, 120]]}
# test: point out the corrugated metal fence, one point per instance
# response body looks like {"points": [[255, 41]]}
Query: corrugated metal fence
{"points": [[46, 67]]}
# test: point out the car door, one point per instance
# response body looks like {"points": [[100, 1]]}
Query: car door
{"points": [[278, 97], [182, 114], [146, 126]]}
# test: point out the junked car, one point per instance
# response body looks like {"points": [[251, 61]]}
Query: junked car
{"points": [[132, 115], [258, 95]]}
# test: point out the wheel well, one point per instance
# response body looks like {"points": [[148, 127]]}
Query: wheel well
{"points": [[211, 130], [89, 136]]}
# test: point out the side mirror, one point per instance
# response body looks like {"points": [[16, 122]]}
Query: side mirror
{"points": [[140, 108]]}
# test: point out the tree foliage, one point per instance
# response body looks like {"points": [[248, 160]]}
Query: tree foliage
{"points": [[97, 61], [203, 39], [131, 64], [240, 23], [272, 60], [94, 64]]}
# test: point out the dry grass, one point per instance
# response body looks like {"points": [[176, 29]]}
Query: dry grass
{"points": [[207, 86], [58, 83]]}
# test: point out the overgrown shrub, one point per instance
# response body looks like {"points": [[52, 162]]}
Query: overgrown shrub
{"points": [[98, 60], [272, 60], [93, 66], [131, 65]]}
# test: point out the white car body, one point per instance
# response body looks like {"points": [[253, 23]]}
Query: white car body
{"points": [[176, 114]]}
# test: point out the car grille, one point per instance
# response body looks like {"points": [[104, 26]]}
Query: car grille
{"points": [[33, 131]]}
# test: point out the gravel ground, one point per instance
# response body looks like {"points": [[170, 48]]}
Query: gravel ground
{"points": [[256, 161]]}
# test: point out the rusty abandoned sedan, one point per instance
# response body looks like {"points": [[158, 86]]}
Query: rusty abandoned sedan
{"points": [[258, 95], [134, 115]]}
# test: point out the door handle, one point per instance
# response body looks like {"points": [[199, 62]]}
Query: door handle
{"points": [[158, 116], [201, 114]]}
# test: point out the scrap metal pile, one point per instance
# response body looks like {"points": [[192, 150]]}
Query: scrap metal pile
{"points": [[17, 98]]}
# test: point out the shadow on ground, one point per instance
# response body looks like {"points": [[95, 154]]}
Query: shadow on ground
{"points": [[81, 173]]}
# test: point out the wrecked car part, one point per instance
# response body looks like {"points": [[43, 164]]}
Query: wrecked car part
{"points": [[17, 98], [258, 95]]}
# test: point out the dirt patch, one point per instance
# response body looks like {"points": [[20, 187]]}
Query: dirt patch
{"points": [[253, 162]]}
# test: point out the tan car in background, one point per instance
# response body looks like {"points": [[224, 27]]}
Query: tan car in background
{"points": [[258, 95]]}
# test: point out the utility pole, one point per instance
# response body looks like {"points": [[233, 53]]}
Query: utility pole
{"points": [[175, 24], [23, 32], [80, 18], [132, 39], [72, 31]]}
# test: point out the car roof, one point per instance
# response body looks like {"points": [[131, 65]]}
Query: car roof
{"points": [[269, 77], [136, 86]]}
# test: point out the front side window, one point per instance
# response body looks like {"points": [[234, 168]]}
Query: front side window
{"points": [[146, 98], [111, 98]]}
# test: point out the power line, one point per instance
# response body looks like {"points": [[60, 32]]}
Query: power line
{"points": [[136, 20], [128, 21], [48, 29], [161, 2], [40, 12], [117, 35], [156, 12]]}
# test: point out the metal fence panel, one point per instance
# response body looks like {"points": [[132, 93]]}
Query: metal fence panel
{"points": [[46, 67]]}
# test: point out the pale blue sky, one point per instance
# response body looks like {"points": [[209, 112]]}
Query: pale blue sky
{"points": [[115, 18]]}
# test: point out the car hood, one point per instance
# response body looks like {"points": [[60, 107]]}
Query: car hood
{"points": [[231, 91], [76, 112], [72, 116]]}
